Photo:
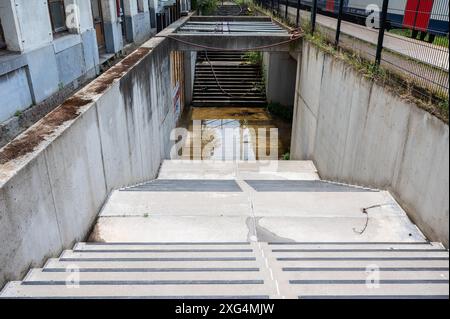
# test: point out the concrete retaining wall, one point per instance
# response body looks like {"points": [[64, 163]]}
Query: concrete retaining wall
{"points": [[280, 74], [361, 133], [55, 177]]}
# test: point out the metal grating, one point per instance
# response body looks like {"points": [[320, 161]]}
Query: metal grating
{"points": [[231, 27]]}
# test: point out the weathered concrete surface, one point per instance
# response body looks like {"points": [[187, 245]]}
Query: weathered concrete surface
{"points": [[55, 177], [265, 42], [280, 72], [136, 214], [361, 133]]}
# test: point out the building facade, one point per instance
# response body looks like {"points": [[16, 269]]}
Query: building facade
{"points": [[47, 45]]}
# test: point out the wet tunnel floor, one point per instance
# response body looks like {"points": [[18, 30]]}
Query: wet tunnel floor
{"points": [[234, 133]]}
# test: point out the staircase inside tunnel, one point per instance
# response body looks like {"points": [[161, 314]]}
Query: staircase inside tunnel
{"points": [[228, 79]]}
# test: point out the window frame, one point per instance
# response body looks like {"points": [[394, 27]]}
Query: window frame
{"points": [[60, 29], [140, 6]]}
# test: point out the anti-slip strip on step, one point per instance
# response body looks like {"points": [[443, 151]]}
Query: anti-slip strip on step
{"points": [[142, 297], [143, 282], [147, 270], [359, 258], [364, 282], [301, 186], [164, 243], [159, 259], [350, 243], [386, 250], [161, 185], [163, 251], [364, 269]]}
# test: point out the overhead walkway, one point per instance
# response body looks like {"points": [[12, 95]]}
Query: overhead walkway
{"points": [[228, 33], [228, 230]]}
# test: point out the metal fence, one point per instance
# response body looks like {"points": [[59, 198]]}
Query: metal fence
{"points": [[409, 38]]}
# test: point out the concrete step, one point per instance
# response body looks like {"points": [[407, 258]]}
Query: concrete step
{"points": [[144, 290], [250, 92], [242, 86], [92, 246], [227, 70], [363, 263], [226, 66], [230, 274], [360, 290], [434, 274], [177, 169], [362, 254], [200, 84], [55, 263], [247, 253], [166, 254], [228, 102], [238, 95], [124, 270], [421, 246], [228, 78]]}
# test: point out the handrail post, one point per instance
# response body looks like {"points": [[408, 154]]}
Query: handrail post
{"points": [[286, 10], [313, 16], [381, 32], [297, 19], [338, 28]]}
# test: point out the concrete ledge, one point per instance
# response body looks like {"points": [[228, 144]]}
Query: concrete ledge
{"points": [[11, 62], [230, 42], [65, 42]]}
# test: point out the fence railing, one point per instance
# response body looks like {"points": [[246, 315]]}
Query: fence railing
{"points": [[406, 37]]}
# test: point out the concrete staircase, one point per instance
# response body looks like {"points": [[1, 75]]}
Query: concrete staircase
{"points": [[227, 79], [229, 9], [245, 230]]}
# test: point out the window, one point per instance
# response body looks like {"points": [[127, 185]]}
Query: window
{"points": [[140, 5], [57, 15], [2, 37]]}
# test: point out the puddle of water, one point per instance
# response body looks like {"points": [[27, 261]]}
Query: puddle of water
{"points": [[230, 133]]}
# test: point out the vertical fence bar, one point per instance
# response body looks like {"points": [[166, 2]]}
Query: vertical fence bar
{"points": [[272, 6], [383, 20], [313, 16], [278, 7], [297, 18], [286, 11], [338, 28]]}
